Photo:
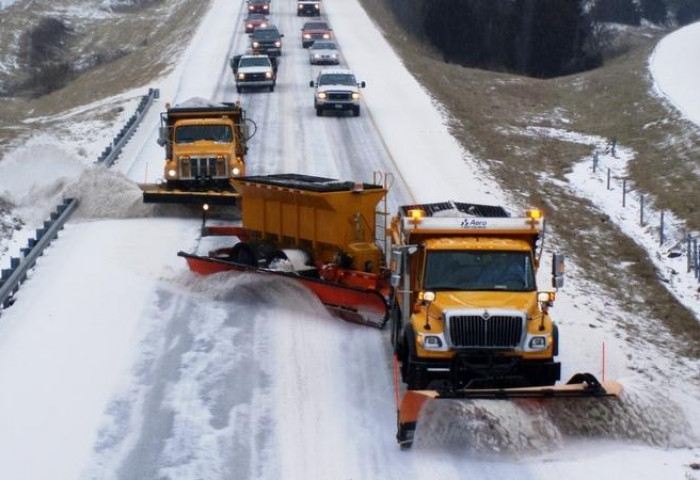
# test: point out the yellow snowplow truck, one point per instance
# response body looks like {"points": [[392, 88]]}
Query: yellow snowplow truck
{"points": [[205, 147], [467, 318], [467, 310]]}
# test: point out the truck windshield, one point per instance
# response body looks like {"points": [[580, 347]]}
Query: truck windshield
{"points": [[479, 270], [336, 79], [196, 133], [254, 62]]}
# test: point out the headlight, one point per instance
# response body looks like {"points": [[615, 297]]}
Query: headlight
{"points": [[300, 6], [432, 342], [236, 171], [316, 55], [317, 6], [250, 25], [355, 96], [268, 74], [241, 76], [333, 55], [251, 8], [307, 35], [263, 25], [256, 44], [326, 35], [537, 343], [172, 173], [265, 7], [278, 44], [322, 95]]}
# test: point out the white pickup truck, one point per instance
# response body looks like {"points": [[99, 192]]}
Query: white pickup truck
{"points": [[254, 71], [336, 90]]}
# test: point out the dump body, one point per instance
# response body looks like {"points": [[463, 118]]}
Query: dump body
{"points": [[480, 324], [205, 147], [334, 221]]}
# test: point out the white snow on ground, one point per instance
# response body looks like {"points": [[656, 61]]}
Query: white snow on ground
{"points": [[675, 66], [121, 364]]}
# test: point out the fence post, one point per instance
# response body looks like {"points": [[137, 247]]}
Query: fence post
{"points": [[624, 192], [608, 179], [614, 147], [595, 161], [661, 229], [696, 254], [641, 209], [689, 252]]}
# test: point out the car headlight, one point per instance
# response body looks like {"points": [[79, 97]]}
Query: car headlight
{"points": [[250, 25], [316, 55], [256, 44], [307, 35], [326, 35], [538, 342], [322, 95], [265, 7], [251, 8], [172, 172], [241, 76], [263, 25], [300, 6], [355, 96], [317, 6], [236, 171], [278, 44], [268, 74]]}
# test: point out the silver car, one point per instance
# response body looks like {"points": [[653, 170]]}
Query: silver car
{"points": [[324, 52]]}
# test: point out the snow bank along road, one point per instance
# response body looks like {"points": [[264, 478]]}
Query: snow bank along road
{"points": [[117, 363]]}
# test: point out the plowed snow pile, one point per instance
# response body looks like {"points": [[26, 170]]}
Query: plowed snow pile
{"points": [[522, 425]]}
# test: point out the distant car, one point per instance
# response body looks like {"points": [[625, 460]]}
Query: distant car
{"points": [[311, 8], [255, 20], [336, 89], [266, 40], [312, 31], [254, 71], [259, 6], [324, 52]]}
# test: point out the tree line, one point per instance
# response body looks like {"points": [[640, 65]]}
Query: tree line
{"points": [[540, 38]]}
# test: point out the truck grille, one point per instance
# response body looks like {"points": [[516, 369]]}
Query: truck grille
{"points": [[475, 331], [200, 167], [255, 77], [339, 96]]}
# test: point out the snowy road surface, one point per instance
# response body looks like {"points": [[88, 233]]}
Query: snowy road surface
{"points": [[118, 363]]}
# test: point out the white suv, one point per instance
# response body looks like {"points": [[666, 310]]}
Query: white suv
{"points": [[337, 90]]}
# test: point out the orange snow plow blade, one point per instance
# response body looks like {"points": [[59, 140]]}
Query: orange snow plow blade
{"points": [[351, 303], [579, 386], [156, 194]]}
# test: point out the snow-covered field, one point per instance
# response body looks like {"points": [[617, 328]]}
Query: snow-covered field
{"points": [[117, 363]]}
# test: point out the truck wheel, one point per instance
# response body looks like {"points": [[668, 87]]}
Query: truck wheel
{"points": [[238, 89], [272, 88], [555, 340], [319, 112], [356, 111], [412, 376]]}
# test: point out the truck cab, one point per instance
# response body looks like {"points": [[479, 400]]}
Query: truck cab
{"points": [[205, 145], [468, 313]]}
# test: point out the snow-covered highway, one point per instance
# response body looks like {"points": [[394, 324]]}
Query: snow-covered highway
{"points": [[117, 363]]}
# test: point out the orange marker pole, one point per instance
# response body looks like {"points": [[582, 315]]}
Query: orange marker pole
{"points": [[396, 381], [603, 361]]}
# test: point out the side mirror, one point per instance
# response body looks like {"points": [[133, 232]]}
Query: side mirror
{"points": [[558, 269], [362, 85], [163, 134], [397, 262], [281, 35], [311, 84], [395, 280]]}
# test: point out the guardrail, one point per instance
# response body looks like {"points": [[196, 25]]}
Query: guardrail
{"points": [[113, 150], [13, 277]]}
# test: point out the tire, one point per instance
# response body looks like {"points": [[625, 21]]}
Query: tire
{"points": [[239, 89], [272, 88], [412, 376], [319, 112], [244, 254], [356, 111], [555, 340]]}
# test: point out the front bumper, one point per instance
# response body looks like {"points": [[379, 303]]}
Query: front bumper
{"points": [[255, 83]]}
